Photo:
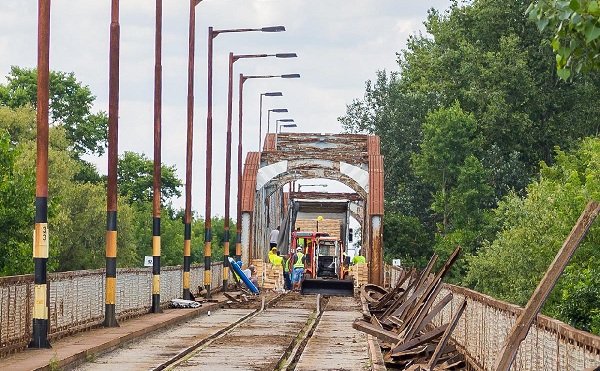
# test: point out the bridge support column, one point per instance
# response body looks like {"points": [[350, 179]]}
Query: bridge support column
{"points": [[246, 238], [376, 255]]}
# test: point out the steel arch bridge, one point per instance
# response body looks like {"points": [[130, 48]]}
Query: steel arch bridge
{"points": [[351, 159]]}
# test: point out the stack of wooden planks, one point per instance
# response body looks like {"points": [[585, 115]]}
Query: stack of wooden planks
{"points": [[259, 270], [360, 274], [401, 319], [273, 278], [331, 226]]}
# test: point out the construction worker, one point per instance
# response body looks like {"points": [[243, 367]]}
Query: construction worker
{"points": [[272, 254], [277, 260], [298, 261], [274, 236], [286, 272], [358, 259]]}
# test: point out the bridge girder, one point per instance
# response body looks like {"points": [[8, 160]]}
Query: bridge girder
{"points": [[351, 159]]}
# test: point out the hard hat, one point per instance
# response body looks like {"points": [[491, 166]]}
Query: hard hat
{"points": [[274, 248], [239, 263], [298, 249]]}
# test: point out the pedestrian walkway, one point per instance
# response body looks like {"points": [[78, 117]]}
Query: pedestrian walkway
{"points": [[76, 348]]}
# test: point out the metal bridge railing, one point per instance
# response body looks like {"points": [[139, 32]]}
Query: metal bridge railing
{"points": [[486, 322], [77, 299]]}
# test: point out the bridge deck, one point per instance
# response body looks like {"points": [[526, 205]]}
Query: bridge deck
{"points": [[75, 348], [290, 332]]}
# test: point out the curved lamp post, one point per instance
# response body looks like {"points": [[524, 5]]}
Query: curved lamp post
{"points": [[278, 127], [212, 33], [276, 110], [238, 248], [232, 59], [272, 94]]}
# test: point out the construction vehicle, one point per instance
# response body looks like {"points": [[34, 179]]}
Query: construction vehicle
{"points": [[326, 266]]}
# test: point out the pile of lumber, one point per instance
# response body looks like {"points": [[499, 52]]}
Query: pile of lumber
{"points": [[273, 278], [360, 274], [401, 319], [331, 226], [259, 270]]}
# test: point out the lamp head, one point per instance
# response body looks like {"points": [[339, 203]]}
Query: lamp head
{"points": [[273, 29], [290, 76], [286, 55], [273, 94], [279, 110]]}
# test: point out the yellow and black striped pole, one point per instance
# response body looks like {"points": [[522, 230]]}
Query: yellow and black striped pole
{"points": [[157, 162], [110, 319], [40, 234]]}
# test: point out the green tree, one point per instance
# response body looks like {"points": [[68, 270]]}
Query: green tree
{"points": [[135, 178], [406, 239], [533, 229], [450, 136], [576, 29], [70, 107], [17, 192]]}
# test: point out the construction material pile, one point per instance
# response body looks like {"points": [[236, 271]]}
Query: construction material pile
{"points": [[360, 274], [401, 319]]}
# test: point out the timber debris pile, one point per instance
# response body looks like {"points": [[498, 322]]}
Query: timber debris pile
{"points": [[401, 319]]}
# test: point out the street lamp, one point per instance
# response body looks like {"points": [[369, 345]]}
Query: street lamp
{"points": [[212, 33], [276, 110], [272, 94], [243, 79], [232, 59], [238, 248], [278, 127]]}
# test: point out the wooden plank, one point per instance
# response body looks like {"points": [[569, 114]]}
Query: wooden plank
{"points": [[230, 297], [433, 312], [411, 329], [521, 327], [428, 336], [438, 350], [378, 332]]}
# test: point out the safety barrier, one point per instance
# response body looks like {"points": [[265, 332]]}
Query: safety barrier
{"points": [[77, 299], [486, 322]]}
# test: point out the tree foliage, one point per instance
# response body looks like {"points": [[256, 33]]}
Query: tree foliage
{"points": [[135, 178], [576, 28], [17, 193], [76, 191], [70, 107], [533, 229]]}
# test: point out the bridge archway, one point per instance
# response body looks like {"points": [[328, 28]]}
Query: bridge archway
{"points": [[352, 159]]}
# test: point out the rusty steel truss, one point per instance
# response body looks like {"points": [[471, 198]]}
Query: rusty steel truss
{"points": [[352, 159]]}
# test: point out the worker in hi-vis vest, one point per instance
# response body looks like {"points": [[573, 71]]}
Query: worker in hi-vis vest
{"points": [[298, 261]]}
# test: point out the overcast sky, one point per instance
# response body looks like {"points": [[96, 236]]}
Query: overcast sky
{"points": [[340, 45]]}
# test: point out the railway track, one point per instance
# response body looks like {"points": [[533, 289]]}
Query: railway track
{"points": [[288, 332]]}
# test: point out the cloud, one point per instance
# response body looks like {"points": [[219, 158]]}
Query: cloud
{"points": [[340, 45]]}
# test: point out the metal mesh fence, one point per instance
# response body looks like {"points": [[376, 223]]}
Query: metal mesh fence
{"points": [[77, 299], [486, 323]]}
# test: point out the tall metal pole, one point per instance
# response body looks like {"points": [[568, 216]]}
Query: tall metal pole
{"points": [[187, 218], [207, 215], [156, 209], [238, 223], [40, 236], [110, 319], [227, 176]]}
